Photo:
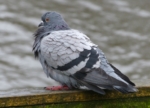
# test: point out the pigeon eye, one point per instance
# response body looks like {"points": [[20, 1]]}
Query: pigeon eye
{"points": [[47, 19]]}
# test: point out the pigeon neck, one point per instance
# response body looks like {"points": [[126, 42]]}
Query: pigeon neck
{"points": [[58, 27]]}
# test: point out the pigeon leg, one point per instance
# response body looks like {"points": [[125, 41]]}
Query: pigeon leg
{"points": [[56, 88]]}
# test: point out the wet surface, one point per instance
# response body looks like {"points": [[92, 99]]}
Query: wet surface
{"points": [[121, 28]]}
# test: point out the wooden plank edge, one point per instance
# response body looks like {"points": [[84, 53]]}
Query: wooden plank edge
{"points": [[51, 97]]}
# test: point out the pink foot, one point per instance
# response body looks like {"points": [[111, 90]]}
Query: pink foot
{"points": [[56, 88]]}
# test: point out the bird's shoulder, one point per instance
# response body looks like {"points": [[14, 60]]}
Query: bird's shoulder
{"points": [[73, 39]]}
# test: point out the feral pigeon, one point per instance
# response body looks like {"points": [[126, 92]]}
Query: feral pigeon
{"points": [[71, 58]]}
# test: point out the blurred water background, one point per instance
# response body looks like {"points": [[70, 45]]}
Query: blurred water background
{"points": [[121, 28]]}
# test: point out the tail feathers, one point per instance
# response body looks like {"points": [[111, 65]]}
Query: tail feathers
{"points": [[128, 89], [122, 75], [96, 79]]}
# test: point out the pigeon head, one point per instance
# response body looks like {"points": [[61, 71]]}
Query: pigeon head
{"points": [[53, 21], [51, 17]]}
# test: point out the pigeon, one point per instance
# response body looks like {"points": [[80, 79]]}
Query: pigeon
{"points": [[69, 57]]}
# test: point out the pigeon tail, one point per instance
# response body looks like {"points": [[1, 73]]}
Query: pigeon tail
{"points": [[128, 89], [122, 75], [99, 79]]}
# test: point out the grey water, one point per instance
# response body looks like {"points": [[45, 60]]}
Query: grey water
{"points": [[121, 28]]}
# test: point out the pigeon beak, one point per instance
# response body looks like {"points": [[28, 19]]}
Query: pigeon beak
{"points": [[41, 24]]}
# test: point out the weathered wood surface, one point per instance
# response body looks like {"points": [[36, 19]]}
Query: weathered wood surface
{"points": [[40, 98]]}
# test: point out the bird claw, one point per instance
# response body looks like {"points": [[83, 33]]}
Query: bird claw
{"points": [[57, 88]]}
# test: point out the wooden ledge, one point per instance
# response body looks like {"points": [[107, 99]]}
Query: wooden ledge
{"points": [[37, 97]]}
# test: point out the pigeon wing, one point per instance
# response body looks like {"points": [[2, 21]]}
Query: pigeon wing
{"points": [[72, 53], [67, 51]]}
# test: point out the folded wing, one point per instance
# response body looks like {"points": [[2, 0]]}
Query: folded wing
{"points": [[71, 53]]}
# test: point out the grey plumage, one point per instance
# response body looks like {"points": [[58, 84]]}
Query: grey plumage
{"points": [[69, 57]]}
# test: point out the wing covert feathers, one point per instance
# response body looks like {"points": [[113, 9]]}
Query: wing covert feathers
{"points": [[69, 57]]}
